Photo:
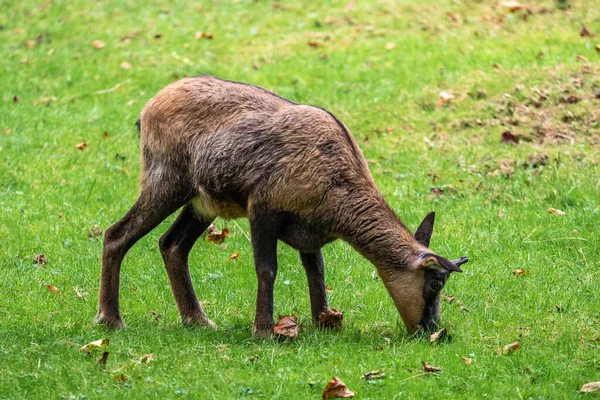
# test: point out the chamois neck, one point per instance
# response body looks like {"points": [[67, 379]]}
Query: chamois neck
{"points": [[370, 225]]}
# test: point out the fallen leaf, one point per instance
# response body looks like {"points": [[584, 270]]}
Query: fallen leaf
{"points": [[102, 360], [590, 387], [6, 131], [253, 359], [204, 35], [15, 99], [234, 256], [44, 100], [446, 97], [336, 389], [373, 375], [585, 32], [216, 237], [94, 232], [256, 65], [41, 259], [512, 6], [81, 146], [580, 58], [95, 345], [129, 36], [467, 360], [390, 45], [438, 336], [125, 65], [314, 43], [52, 288], [597, 48], [555, 211], [448, 299], [328, 289], [331, 318], [430, 368], [509, 348], [286, 326], [120, 378], [463, 308], [509, 138], [146, 358], [519, 272], [98, 44], [571, 99], [50, 52]]}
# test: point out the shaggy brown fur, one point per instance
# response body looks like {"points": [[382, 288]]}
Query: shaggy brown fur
{"points": [[232, 150]]}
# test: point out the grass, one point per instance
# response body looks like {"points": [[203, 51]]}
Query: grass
{"points": [[379, 66]]}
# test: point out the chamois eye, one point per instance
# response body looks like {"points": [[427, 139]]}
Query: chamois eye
{"points": [[436, 285]]}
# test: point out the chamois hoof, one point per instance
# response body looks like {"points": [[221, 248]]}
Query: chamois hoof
{"points": [[263, 333], [111, 323], [199, 320]]}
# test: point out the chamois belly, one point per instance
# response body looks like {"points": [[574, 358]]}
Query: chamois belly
{"points": [[209, 206]]}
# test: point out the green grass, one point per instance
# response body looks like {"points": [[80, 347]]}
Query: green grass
{"points": [[52, 194]]}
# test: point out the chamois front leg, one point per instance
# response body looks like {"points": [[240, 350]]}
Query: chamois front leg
{"points": [[314, 267], [175, 246], [264, 230], [151, 208]]}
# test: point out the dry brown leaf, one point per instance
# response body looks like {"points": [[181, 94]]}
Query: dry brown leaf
{"points": [[580, 58], [286, 326], [256, 65], [216, 237], [430, 368], [120, 378], [336, 389], [331, 318], [390, 45], [512, 6], [590, 387], [314, 43], [509, 138], [350, 6], [204, 35], [15, 99], [438, 336], [520, 271], [448, 299], [509, 348], [373, 375], [146, 358], [125, 65], [52, 288], [41, 259], [102, 360], [467, 360], [98, 44], [234, 256], [555, 211], [81, 146], [597, 48], [446, 97], [95, 345], [44, 100], [585, 32], [253, 359], [94, 232]]}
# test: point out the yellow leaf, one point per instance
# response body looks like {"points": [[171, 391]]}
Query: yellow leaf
{"points": [[95, 345]]}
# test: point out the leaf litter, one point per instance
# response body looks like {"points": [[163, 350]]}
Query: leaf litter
{"points": [[286, 327], [215, 236], [336, 389], [331, 318]]}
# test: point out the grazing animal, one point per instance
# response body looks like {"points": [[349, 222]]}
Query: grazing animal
{"points": [[227, 149]]}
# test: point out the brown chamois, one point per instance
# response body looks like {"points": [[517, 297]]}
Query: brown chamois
{"points": [[227, 149]]}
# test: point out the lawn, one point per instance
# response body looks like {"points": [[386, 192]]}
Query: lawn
{"points": [[488, 116]]}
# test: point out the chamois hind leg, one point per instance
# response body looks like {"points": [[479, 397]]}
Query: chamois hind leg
{"points": [[175, 246], [151, 208], [264, 228], [314, 267]]}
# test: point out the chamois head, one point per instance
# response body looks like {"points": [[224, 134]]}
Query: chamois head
{"points": [[416, 287]]}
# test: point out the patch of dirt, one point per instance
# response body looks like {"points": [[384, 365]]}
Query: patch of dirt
{"points": [[564, 110]]}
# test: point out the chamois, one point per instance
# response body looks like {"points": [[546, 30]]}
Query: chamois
{"points": [[232, 150]]}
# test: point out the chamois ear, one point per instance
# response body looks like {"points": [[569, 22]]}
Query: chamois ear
{"points": [[425, 230]]}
